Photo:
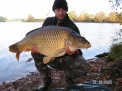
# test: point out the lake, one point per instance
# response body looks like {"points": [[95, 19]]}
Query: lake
{"points": [[98, 34]]}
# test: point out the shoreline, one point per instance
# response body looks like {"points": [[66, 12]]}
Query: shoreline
{"points": [[33, 80]]}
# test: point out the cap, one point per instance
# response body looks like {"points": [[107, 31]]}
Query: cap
{"points": [[60, 4]]}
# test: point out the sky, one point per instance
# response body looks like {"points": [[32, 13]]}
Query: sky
{"points": [[43, 8]]}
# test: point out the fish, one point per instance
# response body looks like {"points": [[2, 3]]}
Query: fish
{"points": [[51, 41]]}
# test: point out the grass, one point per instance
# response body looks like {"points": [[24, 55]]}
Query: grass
{"points": [[116, 51]]}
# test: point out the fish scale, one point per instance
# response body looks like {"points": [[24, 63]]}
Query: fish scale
{"points": [[51, 41]]}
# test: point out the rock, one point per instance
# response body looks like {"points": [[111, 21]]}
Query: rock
{"points": [[102, 55]]}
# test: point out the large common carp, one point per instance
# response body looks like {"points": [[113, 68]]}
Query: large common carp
{"points": [[51, 41]]}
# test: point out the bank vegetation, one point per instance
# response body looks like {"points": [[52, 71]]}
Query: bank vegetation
{"points": [[100, 17]]}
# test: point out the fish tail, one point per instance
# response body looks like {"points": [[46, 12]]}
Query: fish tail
{"points": [[14, 48]]}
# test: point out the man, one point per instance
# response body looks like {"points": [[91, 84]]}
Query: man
{"points": [[71, 64]]}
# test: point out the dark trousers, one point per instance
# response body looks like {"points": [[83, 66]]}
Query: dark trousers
{"points": [[74, 66]]}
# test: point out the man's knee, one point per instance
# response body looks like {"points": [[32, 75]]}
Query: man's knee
{"points": [[38, 59], [75, 67]]}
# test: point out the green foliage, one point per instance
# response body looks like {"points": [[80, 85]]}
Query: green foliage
{"points": [[119, 16], [117, 38], [100, 17], [113, 17], [85, 17], [30, 18], [117, 5], [3, 19], [116, 51], [116, 48], [33, 19], [72, 15]]}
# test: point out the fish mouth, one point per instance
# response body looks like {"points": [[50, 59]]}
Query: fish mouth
{"points": [[89, 45], [86, 46]]}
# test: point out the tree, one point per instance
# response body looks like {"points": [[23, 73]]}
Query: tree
{"points": [[100, 17], [30, 18], [3, 19], [113, 17], [72, 15], [119, 16], [116, 4], [84, 16], [116, 48]]}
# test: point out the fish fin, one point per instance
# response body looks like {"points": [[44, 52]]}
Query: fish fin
{"points": [[67, 48], [17, 55], [69, 52], [29, 59], [67, 43], [13, 48], [59, 52], [34, 49], [52, 59], [46, 59]]}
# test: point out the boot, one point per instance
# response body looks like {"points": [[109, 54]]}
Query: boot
{"points": [[47, 84]]}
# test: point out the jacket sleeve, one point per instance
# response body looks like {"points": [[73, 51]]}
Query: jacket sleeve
{"points": [[74, 27]]}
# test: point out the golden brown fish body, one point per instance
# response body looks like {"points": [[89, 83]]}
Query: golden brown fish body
{"points": [[50, 41]]}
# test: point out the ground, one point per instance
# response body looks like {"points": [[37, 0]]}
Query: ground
{"points": [[33, 80]]}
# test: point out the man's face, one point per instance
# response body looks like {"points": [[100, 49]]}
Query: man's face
{"points": [[60, 13]]}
